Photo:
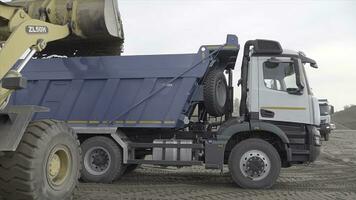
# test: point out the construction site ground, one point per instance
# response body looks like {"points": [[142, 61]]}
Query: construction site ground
{"points": [[332, 176]]}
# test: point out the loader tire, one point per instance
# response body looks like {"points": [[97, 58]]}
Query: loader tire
{"points": [[46, 164], [102, 160], [215, 93]]}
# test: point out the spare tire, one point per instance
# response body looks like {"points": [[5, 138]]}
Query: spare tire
{"points": [[215, 93]]}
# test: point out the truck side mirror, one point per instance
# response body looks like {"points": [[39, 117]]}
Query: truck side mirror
{"points": [[314, 65]]}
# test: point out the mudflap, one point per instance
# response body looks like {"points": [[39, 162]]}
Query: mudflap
{"points": [[13, 123]]}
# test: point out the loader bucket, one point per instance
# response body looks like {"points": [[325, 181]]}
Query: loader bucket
{"points": [[96, 26]]}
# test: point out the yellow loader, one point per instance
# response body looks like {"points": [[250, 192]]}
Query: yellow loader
{"points": [[41, 159]]}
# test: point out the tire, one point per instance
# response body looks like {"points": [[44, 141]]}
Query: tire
{"points": [[46, 164], [267, 164], [215, 93], [102, 160], [327, 136]]}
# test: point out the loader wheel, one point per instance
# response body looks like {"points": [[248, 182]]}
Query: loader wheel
{"points": [[102, 159], [254, 164], [215, 93], [46, 164]]}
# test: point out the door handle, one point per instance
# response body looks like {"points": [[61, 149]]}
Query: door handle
{"points": [[267, 113]]}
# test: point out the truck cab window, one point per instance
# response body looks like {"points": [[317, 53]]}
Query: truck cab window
{"points": [[273, 84], [279, 76]]}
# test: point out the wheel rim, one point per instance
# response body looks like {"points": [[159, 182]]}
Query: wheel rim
{"points": [[58, 166], [255, 165], [221, 93], [97, 160]]}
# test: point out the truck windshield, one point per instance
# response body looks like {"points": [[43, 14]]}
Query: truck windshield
{"points": [[324, 109]]}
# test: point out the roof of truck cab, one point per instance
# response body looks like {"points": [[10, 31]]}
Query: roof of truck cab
{"points": [[290, 52], [286, 52]]}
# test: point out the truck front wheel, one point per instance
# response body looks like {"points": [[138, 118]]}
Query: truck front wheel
{"points": [[326, 135], [254, 163], [46, 164], [102, 159]]}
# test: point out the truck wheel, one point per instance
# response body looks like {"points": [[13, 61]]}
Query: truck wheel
{"points": [[102, 159], [254, 164], [46, 164], [327, 135], [215, 93]]}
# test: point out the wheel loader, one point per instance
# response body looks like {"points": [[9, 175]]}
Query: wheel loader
{"points": [[41, 159]]}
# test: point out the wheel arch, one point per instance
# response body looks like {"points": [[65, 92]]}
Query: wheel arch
{"points": [[113, 133], [233, 133]]}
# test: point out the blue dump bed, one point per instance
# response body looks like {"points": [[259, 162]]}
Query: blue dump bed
{"points": [[151, 91], [121, 91]]}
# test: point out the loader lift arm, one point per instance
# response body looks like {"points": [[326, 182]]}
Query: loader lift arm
{"points": [[25, 34], [47, 150]]}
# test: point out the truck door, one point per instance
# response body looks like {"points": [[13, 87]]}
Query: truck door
{"points": [[283, 94]]}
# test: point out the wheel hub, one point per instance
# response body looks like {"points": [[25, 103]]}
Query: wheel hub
{"points": [[97, 160], [58, 166], [54, 166], [255, 165], [100, 158]]}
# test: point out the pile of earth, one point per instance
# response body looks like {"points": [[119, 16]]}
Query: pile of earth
{"points": [[345, 119]]}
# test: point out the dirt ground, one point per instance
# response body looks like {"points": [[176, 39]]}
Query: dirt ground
{"points": [[333, 176]]}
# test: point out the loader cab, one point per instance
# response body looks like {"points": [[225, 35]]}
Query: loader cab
{"points": [[275, 85]]}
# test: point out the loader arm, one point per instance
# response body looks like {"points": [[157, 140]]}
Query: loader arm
{"points": [[25, 34]]}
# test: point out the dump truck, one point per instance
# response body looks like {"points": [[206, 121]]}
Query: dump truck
{"points": [[41, 159], [326, 110], [176, 110]]}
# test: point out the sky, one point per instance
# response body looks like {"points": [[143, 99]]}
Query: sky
{"points": [[324, 30]]}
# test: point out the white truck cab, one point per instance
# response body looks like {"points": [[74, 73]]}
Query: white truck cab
{"points": [[325, 119], [279, 89]]}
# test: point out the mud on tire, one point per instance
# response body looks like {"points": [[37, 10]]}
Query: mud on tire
{"points": [[46, 164]]}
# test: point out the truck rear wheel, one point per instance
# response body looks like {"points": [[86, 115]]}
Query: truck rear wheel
{"points": [[215, 93], [255, 164], [102, 159], [46, 164]]}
